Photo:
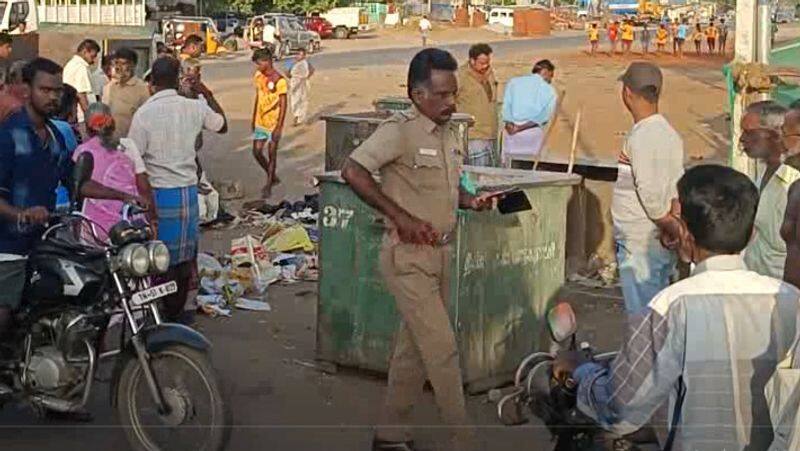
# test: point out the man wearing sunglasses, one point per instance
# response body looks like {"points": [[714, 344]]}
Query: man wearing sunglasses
{"points": [[762, 139]]}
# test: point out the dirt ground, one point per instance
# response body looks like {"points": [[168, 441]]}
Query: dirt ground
{"points": [[280, 403], [285, 405], [693, 100]]}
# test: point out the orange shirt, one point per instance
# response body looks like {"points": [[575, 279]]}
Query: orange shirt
{"points": [[613, 30], [711, 32]]}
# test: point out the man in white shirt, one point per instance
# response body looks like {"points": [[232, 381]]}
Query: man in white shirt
{"points": [[77, 73], [650, 165], [271, 38], [165, 129], [762, 140], [425, 30]]}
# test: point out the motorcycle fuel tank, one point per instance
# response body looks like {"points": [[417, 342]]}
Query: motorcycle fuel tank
{"points": [[56, 279]]}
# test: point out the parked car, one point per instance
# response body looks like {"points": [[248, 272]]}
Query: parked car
{"points": [[319, 25], [785, 14], [502, 16], [227, 22], [291, 32], [348, 21]]}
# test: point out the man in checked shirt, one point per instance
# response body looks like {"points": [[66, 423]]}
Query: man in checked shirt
{"points": [[705, 347]]}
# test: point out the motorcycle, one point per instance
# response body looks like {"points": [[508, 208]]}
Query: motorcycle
{"points": [[553, 400], [165, 392]]}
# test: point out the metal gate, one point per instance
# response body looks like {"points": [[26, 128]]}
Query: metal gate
{"points": [[93, 12]]}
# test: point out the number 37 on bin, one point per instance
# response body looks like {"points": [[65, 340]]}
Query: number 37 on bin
{"points": [[333, 217]]}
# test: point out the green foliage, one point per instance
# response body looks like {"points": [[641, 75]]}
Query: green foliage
{"points": [[246, 7], [305, 6]]}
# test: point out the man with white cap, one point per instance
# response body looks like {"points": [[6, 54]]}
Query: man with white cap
{"points": [[650, 164]]}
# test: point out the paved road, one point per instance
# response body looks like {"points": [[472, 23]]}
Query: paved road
{"points": [[402, 55]]}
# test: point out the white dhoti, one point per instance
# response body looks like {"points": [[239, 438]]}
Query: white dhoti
{"points": [[299, 88], [527, 143]]}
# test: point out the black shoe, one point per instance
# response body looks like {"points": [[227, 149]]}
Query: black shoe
{"points": [[383, 445]]}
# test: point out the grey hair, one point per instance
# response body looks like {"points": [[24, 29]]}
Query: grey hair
{"points": [[771, 114], [12, 73]]}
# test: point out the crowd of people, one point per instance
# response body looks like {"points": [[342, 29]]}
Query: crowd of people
{"points": [[743, 238], [713, 36], [702, 340], [143, 137], [712, 338]]}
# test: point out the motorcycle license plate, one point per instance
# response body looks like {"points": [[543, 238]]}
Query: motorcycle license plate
{"points": [[153, 293]]}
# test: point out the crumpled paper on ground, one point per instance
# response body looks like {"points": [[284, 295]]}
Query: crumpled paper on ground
{"points": [[226, 287], [290, 239]]}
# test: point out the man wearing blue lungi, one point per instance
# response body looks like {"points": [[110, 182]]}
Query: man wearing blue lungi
{"points": [[165, 129]]}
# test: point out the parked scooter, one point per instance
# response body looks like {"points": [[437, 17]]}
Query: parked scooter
{"points": [[166, 394], [554, 401]]}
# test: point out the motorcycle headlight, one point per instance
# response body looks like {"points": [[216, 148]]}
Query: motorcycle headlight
{"points": [[159, 256], [135, 260]]}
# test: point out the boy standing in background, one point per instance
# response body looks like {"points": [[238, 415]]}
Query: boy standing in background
{"points": [[594, 38]]}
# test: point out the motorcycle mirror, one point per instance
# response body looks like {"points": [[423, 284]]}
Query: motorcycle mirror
{"points": [[561, 322], [81, 173]]}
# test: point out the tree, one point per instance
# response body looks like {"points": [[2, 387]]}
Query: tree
{"points": [[242, 6], [304, 6]]}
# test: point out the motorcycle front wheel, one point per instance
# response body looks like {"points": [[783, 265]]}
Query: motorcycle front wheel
{"points": [[198, 417]]}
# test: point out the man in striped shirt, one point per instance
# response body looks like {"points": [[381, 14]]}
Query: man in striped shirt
{"points": [[704, 349]]}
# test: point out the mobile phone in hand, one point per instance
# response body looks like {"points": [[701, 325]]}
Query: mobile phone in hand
{"points": [[513, 202]]}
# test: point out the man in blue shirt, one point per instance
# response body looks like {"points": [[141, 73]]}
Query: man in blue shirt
{"points": [[529, 101], [680, 38], [33, 160]]}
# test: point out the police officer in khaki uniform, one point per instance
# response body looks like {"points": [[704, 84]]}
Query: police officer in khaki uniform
{"points": [[418, 155]]}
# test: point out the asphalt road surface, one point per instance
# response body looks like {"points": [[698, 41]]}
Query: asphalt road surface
{"points": [[393, 56]]}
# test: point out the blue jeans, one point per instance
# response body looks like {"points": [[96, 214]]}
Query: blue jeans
{"points": [[645, 267]]}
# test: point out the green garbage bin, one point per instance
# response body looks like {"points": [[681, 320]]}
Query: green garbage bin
{"points": [[345, 132], [506, 270], [391, 104]]}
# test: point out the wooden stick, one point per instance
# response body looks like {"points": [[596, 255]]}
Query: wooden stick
{"points": [[575, 130], [549, 129]]}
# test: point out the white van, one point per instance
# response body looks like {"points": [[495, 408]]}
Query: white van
{"points": [[15, 12], [502, 16]]}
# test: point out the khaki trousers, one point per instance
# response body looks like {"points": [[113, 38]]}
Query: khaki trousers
{"points": [[425, 344]]}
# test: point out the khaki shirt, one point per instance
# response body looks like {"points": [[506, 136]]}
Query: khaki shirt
{"points": [[472, 99], [124, 100], [419, 163]]}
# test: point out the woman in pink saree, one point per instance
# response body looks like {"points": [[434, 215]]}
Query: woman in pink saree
{"points": [[117, 165]]}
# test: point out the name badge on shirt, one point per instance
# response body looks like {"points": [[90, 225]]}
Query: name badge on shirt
{"points": [[428, 152]]}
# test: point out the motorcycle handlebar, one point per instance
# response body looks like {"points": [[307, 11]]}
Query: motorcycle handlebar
{"points": [[129, 210]]}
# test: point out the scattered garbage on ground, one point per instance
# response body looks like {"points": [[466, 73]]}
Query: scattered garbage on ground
{"points": [[278, 244], [597, 274]]}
